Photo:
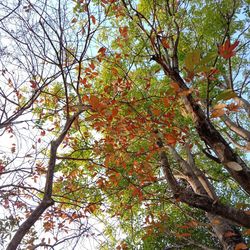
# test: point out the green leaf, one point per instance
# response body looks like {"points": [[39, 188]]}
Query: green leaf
{"points": [[225, 95], [192, 59]]}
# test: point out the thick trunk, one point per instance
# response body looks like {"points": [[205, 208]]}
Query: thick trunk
{"points": [[203, 202], [208, 133], [215, 207], [226, 233], [25, 227]]}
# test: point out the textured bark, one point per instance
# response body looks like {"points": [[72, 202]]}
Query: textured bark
{"points": [[202, 202], [245, 134], [244, 103], [211, 136], [215, 207], [226, 233]]}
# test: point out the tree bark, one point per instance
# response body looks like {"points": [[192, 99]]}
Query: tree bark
{"points": [[47, 199], [202, 202], [208, 133], [226, 233]]}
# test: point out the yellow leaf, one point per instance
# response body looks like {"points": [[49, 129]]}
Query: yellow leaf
{"points": [[192, 59], [217, 113], [220, 106], [246, 232]]}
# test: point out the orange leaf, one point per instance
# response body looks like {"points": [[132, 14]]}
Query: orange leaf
{"points": [[233, 107], [124, 31], [165, 43], [92, 65], [241, 246], [247, 212], [93, 19], [156, 112], [216, 222], [83, 81], [226, 50], [247, 232], [170, 139], [175, 86], [217, 113], [166, 101], [102, 51], [114, 71], [94, 102]]}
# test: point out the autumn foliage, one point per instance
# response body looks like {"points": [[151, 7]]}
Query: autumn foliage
{"points": [[125, 125]]}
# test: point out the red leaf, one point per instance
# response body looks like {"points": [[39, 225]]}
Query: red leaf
{"points": [[2, 168], [102, 51], [229, 234], [92, 65], [123, 31], [170, 139], [183, 235], [93, 19], [94, 102], [226, 50], [33, 84]]}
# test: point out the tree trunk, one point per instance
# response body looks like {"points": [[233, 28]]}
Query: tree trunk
{"points": [[47, 199], [208, 133], [228, 236]]}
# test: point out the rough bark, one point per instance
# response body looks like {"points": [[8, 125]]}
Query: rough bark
{"points": [[215, 207], [245, 134], [209, 134], [226, 233], [203, 202]]}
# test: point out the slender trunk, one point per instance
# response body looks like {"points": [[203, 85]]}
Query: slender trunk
{"points": [[245, 134], [47, 199]]}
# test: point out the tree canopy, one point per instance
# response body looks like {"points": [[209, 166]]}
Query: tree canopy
{"points": [[125, 124]]}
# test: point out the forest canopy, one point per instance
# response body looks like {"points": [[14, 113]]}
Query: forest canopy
{"points": [[124, 124]]}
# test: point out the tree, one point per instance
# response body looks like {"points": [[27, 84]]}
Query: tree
{"points": [[148, 131]]}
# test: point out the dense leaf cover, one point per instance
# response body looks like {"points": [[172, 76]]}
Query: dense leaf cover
{"points": [[125, 124]]}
